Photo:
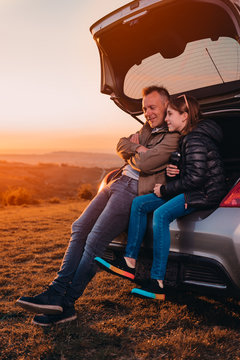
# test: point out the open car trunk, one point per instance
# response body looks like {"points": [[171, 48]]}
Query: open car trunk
{"points": [[230, 150], [188, 46]]}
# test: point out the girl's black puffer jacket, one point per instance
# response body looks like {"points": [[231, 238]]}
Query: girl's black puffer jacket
{"points": [[201, 177]]}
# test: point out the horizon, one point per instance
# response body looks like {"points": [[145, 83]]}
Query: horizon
{"points": [[33, 152], [72, 158], [42, 141]]}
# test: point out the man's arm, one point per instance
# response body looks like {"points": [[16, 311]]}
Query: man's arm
{"points": [[127, 146], [155, 159], [135, 139]]}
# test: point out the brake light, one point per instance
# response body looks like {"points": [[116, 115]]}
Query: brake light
{"points": [[232, 199]]}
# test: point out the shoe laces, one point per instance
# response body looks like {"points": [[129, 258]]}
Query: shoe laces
{"points": [[48, 289]]}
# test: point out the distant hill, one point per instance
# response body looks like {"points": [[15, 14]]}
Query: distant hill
{"points": [[82, 159], [48, 180]]}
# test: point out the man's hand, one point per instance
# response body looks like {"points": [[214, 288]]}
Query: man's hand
{"points": [[172, 170], [156, 190], [141, 148], [135, 138]]}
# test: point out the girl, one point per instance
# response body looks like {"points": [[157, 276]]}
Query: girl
{"points": [[198, 184]]}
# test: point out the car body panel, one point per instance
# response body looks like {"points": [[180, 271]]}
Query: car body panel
{"points": [[211, 237]]}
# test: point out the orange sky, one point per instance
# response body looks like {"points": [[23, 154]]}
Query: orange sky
{"points": [[42, 142], [50, 78]]}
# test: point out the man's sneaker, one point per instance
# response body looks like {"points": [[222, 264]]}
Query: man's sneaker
{"points": [[48, 302], [150, 290], [117, 267], [67, 315]]}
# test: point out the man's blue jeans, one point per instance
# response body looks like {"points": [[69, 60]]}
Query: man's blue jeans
{"points": [[106, 217], [164, 212]]}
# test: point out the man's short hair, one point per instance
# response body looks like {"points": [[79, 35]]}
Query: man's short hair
{"points": [[160, 89]]}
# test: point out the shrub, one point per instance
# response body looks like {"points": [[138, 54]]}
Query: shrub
{"points": [[85, 192], [18, 196]]}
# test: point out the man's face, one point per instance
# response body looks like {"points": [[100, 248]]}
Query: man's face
{"points": [[154, 109]]}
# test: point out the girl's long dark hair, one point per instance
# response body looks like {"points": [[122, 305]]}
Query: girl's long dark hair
{"points": [[190, 105]]}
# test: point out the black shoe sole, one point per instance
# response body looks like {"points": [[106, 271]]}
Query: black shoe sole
{"points": [[40, 309], [62, 321], [114, 270]]}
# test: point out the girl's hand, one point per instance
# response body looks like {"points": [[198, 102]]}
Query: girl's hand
{"points": [[172, 170], [156, 190]]}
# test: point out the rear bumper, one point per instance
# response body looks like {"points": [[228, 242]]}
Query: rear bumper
{"points": [[186, 272]]}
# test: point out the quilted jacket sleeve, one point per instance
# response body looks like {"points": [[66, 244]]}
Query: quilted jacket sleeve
{"points": [[194, 167]]}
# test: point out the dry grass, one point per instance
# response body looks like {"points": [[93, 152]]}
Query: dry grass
{"points": [[111, 324]]}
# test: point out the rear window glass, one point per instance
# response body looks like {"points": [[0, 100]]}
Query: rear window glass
{"points": [[203, 63]]}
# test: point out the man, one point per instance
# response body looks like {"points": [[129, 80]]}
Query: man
{"points": [[146, 154]]}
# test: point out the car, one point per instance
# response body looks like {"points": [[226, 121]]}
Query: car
{"points": [[190, 47]]}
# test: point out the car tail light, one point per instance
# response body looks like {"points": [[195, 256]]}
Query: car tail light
{"points": [[233, 197]]}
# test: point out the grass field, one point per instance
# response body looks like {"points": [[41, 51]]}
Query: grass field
{"points": [[111, 324]]}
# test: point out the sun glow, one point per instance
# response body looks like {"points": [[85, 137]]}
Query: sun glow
{"points": [[50, 78]]}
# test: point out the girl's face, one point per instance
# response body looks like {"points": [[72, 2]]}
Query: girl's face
{"points": [[175, 121]]}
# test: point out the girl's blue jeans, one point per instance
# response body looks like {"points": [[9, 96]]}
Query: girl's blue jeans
{"points": [[164, 212]]}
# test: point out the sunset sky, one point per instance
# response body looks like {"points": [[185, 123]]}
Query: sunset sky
{"points": [[50, 78]]}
